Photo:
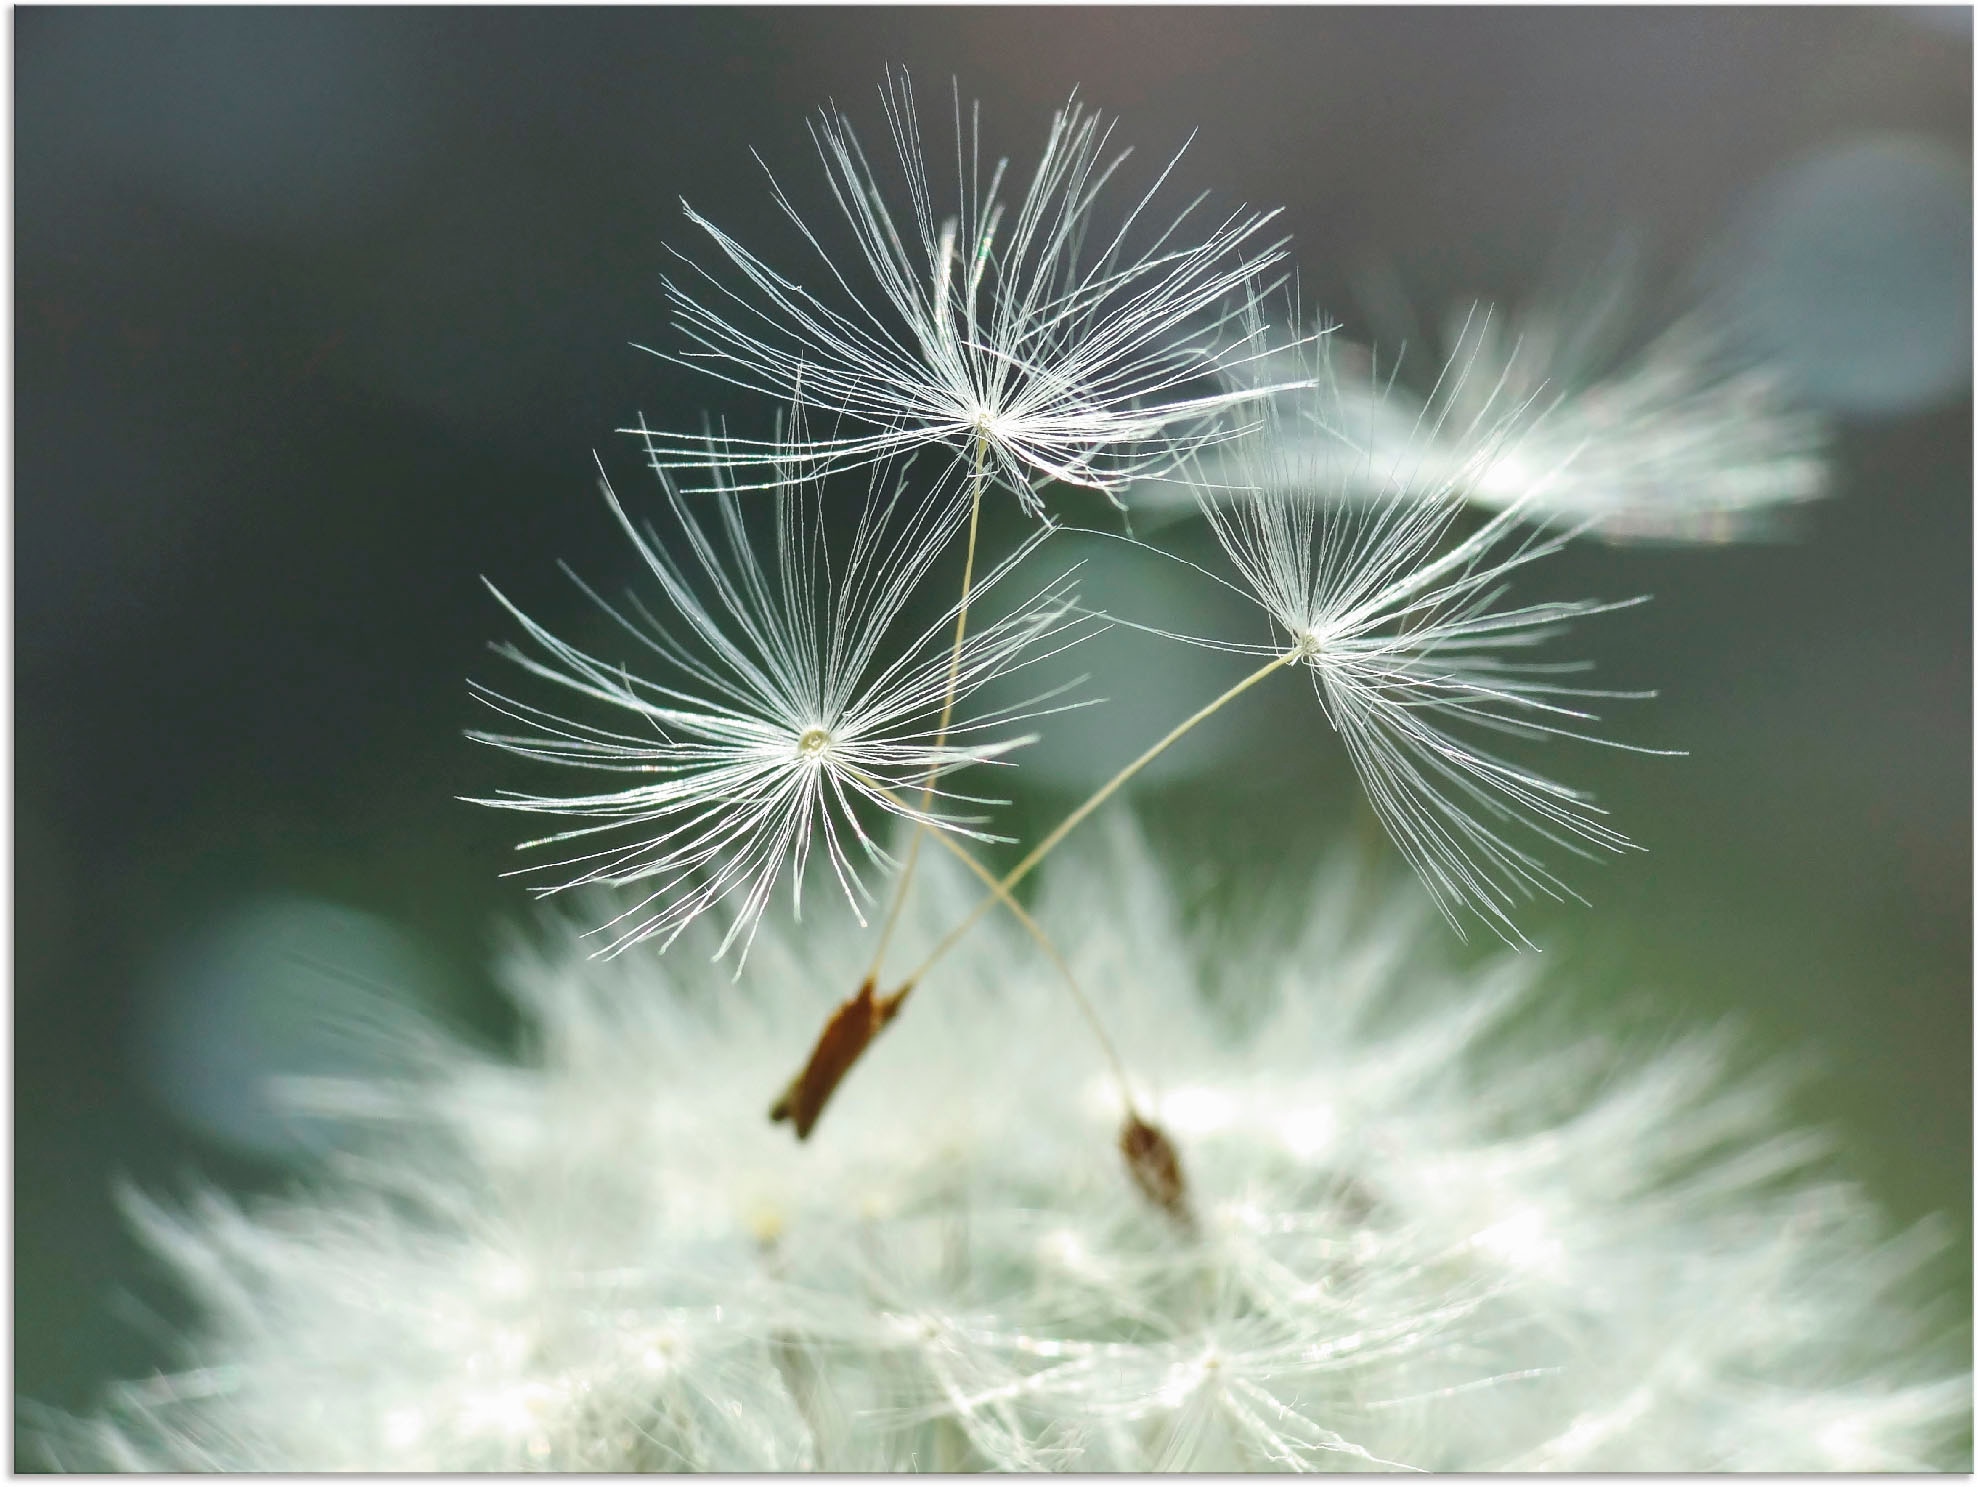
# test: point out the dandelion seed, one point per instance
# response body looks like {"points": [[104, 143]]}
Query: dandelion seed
{"points": [[1681, 439], [1064, 349], [1402, 627], [800, 702]]}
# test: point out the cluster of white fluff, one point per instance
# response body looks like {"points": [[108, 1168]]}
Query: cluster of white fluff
{"points": [[1421, 1234]]}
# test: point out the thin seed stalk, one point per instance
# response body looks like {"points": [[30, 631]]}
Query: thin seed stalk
{"points": [[947, 713], [1098, 798]]}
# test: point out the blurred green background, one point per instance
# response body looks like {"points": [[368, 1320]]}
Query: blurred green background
{"points": [[320, 314]]}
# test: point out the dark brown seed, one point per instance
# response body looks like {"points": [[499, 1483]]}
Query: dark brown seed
{"points": [[850, 1029], [1155, 1167]]}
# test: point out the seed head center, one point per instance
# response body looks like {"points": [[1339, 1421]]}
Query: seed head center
{"points": [[813, 741]]}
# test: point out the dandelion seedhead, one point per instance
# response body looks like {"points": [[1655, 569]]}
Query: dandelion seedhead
{"points": [[793, 694], [1429, 1235], [1063, 345]]}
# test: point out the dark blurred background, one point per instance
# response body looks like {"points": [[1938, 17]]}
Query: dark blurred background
{"points": [[319, 316]]}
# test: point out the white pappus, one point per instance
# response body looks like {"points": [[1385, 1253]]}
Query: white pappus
{"points": [[1398, 616], [804, 697], [1047, 345], [1676, 437]]}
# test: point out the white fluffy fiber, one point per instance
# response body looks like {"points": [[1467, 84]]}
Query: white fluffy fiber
{"points": [[1424, 1238]]}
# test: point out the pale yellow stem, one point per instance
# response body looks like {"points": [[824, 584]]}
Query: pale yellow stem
{"points": [[1104, 793], [892, 920]]}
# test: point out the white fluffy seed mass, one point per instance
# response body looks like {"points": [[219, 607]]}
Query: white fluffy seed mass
{"points": [[1425, 1234]]}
